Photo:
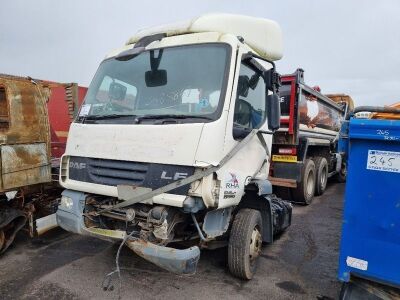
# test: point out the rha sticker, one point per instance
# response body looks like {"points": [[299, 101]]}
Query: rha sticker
{"points": [[84, 110], [385, 161], [357, 263], [231, 181]]}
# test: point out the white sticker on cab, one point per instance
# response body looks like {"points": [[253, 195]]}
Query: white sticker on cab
{"points": [[84, 110]]}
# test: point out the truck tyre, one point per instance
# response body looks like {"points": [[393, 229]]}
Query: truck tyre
{"points": [[321, 168], [341, 176], [245, 243], [304, 193]]}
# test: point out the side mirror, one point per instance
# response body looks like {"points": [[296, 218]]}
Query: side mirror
{"points": [[156, 78], [273, 111], [117, 91]]}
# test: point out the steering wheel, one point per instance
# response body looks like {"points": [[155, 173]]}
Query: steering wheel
{"points": [[242, 114], [112, 106]]}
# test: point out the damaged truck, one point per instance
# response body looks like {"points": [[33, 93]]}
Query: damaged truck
{"points": [[34, 120], [170, 151]]}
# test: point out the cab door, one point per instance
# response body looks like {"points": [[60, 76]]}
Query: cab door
{"points": [[247, 112]]}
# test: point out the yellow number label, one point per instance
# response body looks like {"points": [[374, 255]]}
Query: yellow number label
{"points": [[284, 158]]}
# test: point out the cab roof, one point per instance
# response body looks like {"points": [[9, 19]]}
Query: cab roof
{"points": [[262, 35]]}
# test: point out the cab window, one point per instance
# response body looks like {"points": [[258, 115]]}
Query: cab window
{"points": [[250, 99]]}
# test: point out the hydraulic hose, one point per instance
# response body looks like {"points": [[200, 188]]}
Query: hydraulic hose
{"points": [[378, 109]]}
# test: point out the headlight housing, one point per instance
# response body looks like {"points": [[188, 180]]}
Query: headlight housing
{"points": [[66, 202]]}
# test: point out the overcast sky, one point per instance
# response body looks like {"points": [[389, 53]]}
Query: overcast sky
{"points": [[344, 46]]}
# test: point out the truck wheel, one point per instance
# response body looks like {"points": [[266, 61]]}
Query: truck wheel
{"points": [[304, 193], [321, 167], [245, 243], [341, 176]]}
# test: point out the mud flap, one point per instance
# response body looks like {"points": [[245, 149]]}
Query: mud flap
{"points": [[171, 259], [11, 221]]}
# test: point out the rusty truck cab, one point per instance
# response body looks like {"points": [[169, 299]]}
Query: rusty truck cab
{"points": [[24, 133], [25, 162]]}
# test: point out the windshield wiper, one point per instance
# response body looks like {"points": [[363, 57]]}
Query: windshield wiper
{"points": [[111, 116], [104, 117], [138, 119], [169, 116]]}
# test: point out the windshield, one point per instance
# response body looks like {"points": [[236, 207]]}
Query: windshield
{"points": [[185, 83]]}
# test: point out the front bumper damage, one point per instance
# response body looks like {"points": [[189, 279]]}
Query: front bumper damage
{"points": [[173, 260], [178, 261]]}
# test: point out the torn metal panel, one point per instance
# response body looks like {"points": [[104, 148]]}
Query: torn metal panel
{"points": [[45, 224], [28, 119], [216, 222], [24, 164], [261, 186]]}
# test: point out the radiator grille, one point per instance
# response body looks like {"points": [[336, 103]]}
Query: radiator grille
{"points": [[107, 171], [117, 172]]}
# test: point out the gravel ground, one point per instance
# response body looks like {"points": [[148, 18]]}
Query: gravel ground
{"points": [[301, 264]]}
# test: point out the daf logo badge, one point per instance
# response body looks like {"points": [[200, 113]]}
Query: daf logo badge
{"points": [[77, 165]]}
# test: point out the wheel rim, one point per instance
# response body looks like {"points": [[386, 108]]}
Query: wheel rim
{"points": [[310, 184], [324, 177], [255, 244], [2, 239]]}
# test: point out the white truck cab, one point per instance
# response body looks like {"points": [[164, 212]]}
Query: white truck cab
{"points": [[172, 144]]}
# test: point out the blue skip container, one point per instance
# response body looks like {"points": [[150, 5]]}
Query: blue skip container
{"points": [[370, 242]]}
